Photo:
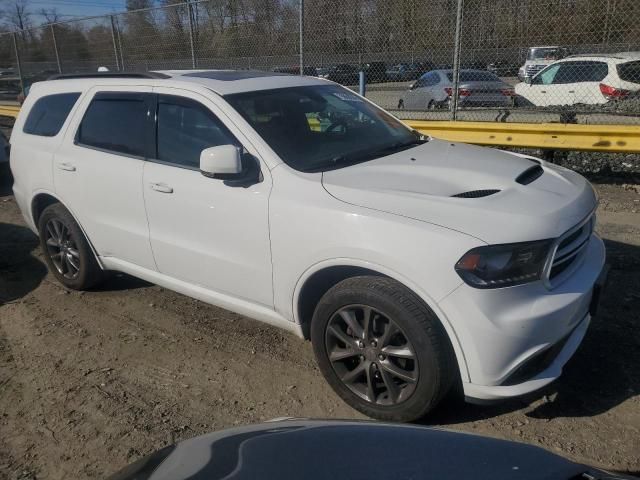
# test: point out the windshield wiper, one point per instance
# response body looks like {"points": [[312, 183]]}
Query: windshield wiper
{"points": [[400, 146], [357, 157]]}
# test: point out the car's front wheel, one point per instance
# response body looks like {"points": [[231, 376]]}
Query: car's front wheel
{"points": [[66, 249], [382, 349]]}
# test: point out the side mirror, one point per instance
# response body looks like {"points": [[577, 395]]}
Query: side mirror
{"points": [[528, 80], [222, 162], [227, 163]]}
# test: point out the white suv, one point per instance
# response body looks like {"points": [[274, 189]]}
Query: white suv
{"points": [[584, 79], [411, 263]]}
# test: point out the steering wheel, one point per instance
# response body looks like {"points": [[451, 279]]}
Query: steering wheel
{"points": [[341, 122]]}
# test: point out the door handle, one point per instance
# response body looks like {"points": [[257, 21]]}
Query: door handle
{"points": [[543, 91], [161, 187], [66, 167]]}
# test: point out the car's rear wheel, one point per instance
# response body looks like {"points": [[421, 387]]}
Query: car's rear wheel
{"points": [[66, 249], [382, 349]]}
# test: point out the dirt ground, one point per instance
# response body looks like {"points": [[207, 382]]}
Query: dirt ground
{"points": [[92, 381]]}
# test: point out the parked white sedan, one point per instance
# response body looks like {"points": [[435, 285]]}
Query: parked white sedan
{"points": [[581, 79]]}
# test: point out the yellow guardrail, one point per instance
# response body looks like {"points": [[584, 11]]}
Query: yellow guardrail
{"points": [[9, 110], [552, 136]]}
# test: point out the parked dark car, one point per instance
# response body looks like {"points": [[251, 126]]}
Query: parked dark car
{"points": [[376, 72], [503, 68], [10, 88], [344, 74], [403, 72], [295, 70], [473, 65], [308, 449]]}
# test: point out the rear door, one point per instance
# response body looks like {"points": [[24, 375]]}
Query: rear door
{"points": [[582, 80], [414, 97], [98, 171]]}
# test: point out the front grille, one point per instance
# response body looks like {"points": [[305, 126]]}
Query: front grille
{"points": [[533, 69], [570, 248], [475, 193]]}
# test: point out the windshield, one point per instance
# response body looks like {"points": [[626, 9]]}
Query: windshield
{"points": [[545, 54], [317, 128]]}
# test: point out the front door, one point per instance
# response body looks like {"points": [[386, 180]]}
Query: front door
{"points": [[203, 231]]}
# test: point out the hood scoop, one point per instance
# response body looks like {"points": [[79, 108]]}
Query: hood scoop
{"points": [[529, 175], [476, 193]]}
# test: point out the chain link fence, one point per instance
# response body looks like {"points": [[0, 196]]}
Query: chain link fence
{"points": [[575, 61]]}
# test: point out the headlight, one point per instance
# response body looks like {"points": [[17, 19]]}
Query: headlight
{"points": [[496, 266]]}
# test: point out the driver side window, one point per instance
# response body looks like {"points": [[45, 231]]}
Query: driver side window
{"points": [[546, 76], [433, 79], [426, 80], [185, 129]]}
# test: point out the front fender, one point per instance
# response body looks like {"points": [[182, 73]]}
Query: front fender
{"points": [[388, 272]]}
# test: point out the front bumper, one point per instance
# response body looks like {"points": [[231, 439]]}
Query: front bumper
{"points": [[501, 331]]}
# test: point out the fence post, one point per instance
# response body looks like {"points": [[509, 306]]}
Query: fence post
{"points": [[191, 39], [456, 61], [55, 47], [120, 45], [115, 45], [301, 32], [18, 63]]}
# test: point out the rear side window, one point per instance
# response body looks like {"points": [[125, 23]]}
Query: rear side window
{"points": [[629, 72], [116, 122], [576, 72], [49, 113]]}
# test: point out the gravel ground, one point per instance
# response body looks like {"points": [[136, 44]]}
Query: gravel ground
{"points": [[91, 381]]}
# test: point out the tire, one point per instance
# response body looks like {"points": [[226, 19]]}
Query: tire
{"points": [[60, 237], [423, 379]]}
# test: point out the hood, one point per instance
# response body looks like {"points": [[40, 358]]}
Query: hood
{"points": [[495, 196], [308, 449]]}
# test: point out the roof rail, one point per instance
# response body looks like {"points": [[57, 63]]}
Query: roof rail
{"points": [[606, 55], [67, 76]]}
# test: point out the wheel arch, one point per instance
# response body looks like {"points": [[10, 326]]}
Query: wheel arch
{"points": [[39, 202], [318, 279], [42, 200]]}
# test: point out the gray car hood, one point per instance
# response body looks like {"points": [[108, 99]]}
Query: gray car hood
{"points": [[419, 184], [318, 450]]}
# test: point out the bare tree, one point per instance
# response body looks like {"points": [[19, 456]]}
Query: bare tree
{"points": [[50, 15], [16, 13]]}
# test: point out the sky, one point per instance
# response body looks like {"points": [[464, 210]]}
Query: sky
{"points": [[70, 9]]}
